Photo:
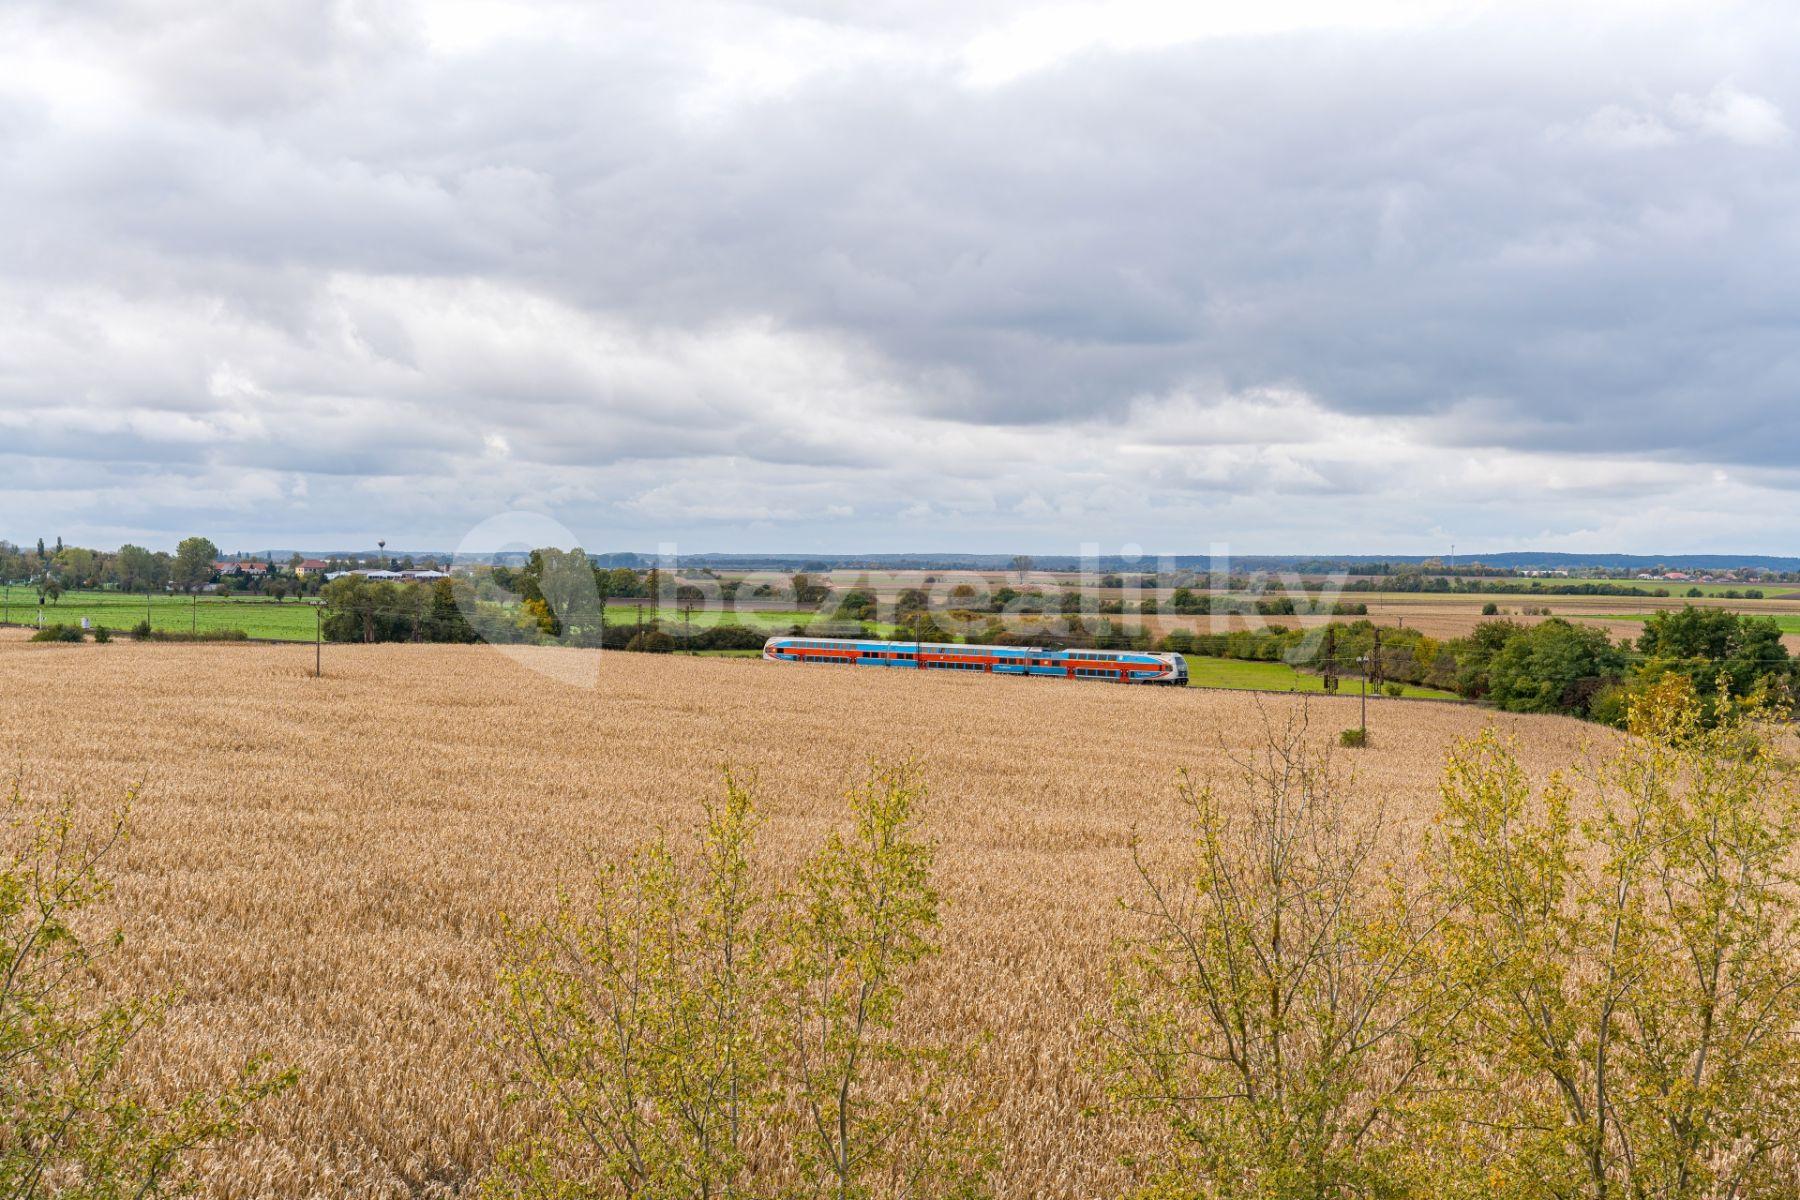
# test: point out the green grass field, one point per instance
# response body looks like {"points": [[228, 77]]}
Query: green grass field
{"points": [[772, 620], [1524, 594], [1278, 677], [1789, 622], [290, 620], [1678, 589]]}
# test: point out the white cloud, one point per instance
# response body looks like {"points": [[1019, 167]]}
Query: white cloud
{"points": [[1615, 126], [1736, 116], [1048, 34], [1724, 112]]}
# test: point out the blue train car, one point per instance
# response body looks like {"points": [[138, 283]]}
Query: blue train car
{"points": [[1108, 666]]}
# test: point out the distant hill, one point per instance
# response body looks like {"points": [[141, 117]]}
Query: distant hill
{"points": [[1516, 559], [925, 561]]}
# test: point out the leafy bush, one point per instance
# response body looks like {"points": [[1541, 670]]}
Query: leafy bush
{"points": [[1393, 689], [1354, 739], [69, 1125], [1710, 644], [1630, 983], [689, 1031], [102, 634], [730, 637], [58, 633], [1540, 1006], [1264, 1010], [183, 635], [1553, 667], [651, 641]]}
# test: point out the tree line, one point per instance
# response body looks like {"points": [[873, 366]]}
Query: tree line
{"points": [[194, 566]]}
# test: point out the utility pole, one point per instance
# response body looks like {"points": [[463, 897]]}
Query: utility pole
{"points": [[640, 625], [1331, 671], [318, 640], [1375, 657], [687, 616], [1365, 702], [194, 615]]}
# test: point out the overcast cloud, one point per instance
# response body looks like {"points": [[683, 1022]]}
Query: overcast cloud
{"points": [[902, 276]]}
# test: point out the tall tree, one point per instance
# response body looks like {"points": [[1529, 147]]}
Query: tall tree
{"points": [[194, 559], [1633, 1024]]}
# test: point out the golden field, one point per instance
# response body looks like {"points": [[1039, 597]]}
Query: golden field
{"points": [[318, 865]]}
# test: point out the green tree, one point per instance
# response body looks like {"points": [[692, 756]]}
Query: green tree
{"points": [[877, 1121], [1633, 978], [194, 558], [1711, 646], [70, 1126], [690, 1031], [651, 641], [1275, 1005], [642, 1020], [136, 569], [858, 604], [77, 566], [565, 582], [807, 593], [1475, 654], [1553, 666]]}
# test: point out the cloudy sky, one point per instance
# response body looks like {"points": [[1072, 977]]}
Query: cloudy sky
{"points": [[889, 275]]}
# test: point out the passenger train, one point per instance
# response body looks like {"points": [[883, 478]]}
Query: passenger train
{"points": [[1112, 666]]}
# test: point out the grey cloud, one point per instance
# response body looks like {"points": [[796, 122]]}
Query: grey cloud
{"points": [[1512, 236]]}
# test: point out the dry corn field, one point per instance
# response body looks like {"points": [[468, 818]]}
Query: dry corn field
{"points": [[318, 865]]}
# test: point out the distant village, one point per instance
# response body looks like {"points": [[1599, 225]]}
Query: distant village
{"points": [[245, 570]]}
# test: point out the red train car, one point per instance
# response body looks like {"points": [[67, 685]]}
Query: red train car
{"points": [[1109, 666]]}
